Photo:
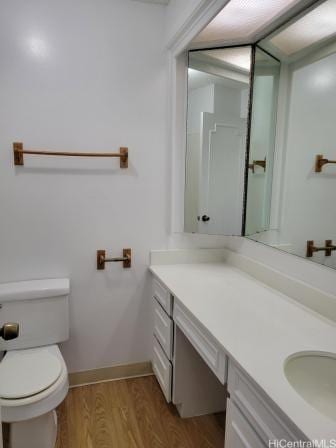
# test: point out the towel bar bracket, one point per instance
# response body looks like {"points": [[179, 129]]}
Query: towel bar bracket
{"points": [[260, 163], [320, 161], [18, 153]]}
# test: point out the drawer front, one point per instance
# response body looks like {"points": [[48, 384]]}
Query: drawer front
{"points": [[162, 369], [163, 296], [206, 346], [238, 432], [163, 328], [256, 408]]}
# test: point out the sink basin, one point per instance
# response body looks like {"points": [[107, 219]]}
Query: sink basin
{"points": [[313, 376]]}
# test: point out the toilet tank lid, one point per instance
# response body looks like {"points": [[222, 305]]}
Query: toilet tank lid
{"points": [[34, 289]]}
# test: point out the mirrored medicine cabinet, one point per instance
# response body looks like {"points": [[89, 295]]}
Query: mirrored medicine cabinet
{"points": [[217, 125], [260, 144]]}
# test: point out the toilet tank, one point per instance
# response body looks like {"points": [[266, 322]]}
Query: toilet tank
{"points": [[40, 307]]}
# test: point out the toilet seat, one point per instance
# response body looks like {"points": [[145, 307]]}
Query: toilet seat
{"points": [[24, 373], [21, 409]]}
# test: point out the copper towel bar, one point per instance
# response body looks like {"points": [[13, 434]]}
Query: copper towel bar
{"points": [[320, 161], [126, 259], [19, 154]]}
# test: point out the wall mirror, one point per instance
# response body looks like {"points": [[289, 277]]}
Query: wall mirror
{"points": [[262, 140], [293, 207], [292, 177], [261, 158], [217, 123]]}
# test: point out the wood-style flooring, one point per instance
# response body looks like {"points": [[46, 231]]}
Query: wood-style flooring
{"points": [[131, 413]]}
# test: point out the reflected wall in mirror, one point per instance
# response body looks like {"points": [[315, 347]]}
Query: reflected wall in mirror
{"points": [[218, 97], [262, 140], [298, 214]]}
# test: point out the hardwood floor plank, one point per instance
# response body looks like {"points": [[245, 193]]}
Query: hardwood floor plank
{"points": [[205, 431], [79, 407], [152, 432], [130, 413], [174, 426]]}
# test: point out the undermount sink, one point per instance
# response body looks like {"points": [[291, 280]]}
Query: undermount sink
{"points": [[313, 376]]}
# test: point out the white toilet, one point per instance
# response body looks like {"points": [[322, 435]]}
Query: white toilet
{"points": [[33, 374]]}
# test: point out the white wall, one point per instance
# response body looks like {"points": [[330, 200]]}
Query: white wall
{"points": [[309, 210], [261, 147], [178, 12], [95, 90], [85, 76], [200, 100]]}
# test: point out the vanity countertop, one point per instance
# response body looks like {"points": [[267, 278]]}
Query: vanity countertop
{"points": [[258, 327]]}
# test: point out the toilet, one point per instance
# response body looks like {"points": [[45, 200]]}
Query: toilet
{"points": [[33, 374]]}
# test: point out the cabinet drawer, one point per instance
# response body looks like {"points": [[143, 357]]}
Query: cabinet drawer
{"points": [[258, 410], [163, 328], [162, 369], [205, 345], [163, 296], [238, 432]]}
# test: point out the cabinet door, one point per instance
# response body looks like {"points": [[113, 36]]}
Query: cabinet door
{"points": [[258, 410], [163, 328], [163, 296], [239, 433], [162, 369], [203, 342]]}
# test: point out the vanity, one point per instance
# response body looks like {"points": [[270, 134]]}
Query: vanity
{"points": [[259, 143], [225, 338]]}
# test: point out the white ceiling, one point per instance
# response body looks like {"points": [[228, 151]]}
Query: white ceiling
{"points": [[229, 67], [315, 26], [239, 58], [240, 19]]}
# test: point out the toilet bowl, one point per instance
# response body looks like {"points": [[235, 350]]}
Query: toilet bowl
{"points": [[33, 374], [33, 382]]}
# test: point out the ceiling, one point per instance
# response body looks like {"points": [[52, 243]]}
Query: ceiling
{"points": [[241, 19], [316, 26], [229, 67], [238, 58]]}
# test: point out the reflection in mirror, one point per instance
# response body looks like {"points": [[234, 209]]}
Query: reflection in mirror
{"points": [[303, 210], [218, 96], [262, 139]]}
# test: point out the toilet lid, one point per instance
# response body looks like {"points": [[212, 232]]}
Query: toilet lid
{"points": [[27, 372]]}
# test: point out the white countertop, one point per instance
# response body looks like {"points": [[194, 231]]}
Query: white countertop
{"points": [[258, 327]]}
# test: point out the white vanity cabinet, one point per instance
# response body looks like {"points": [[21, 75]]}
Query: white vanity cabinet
{"points": [[238, 431], [197, 375], [163, 329], [163, 338], [217, 342], [187, 362], [252, 419], [163, 297]]}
